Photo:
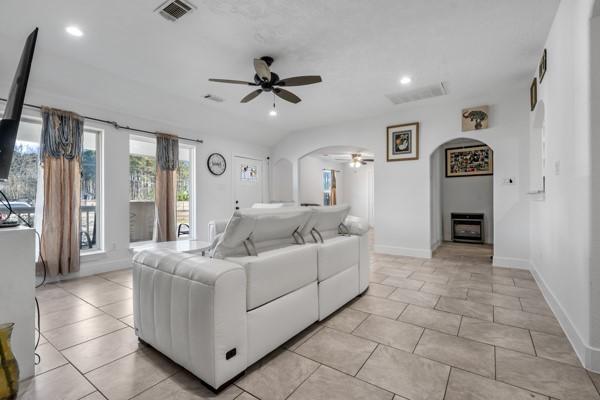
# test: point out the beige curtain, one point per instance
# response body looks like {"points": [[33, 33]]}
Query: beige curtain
{"points": [[60, 148], [167, 161], [333, 200]]}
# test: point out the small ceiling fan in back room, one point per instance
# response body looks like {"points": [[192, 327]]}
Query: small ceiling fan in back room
{"points": [[269, 81]]}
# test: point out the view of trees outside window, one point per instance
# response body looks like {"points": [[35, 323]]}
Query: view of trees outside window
{"points": [[326, 188], [142, 184], [21, 187]]}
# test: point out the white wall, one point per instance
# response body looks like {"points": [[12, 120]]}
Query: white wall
{"points": [[465, 194], [213, 195], [402, 189], [311, 179], [561, 248], [435, 176], [358, 192], [282, 188]]}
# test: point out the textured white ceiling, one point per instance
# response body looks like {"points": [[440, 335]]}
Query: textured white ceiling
{"points": [[134, 61]]}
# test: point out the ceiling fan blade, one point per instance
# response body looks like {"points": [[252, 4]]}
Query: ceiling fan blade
{"points": [[262, 69], [289, 96], [251, 96], [300, 80], [232, 81]]}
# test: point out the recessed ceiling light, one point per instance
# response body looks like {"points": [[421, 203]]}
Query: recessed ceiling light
{"points": [[405, 80], [74, 31], [273, 113]]}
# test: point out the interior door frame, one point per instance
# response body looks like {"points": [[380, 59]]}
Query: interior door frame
{"points": [[235, 175]]}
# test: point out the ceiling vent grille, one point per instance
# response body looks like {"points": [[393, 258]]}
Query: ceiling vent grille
{"points": [[172, 10], [423, 93]]}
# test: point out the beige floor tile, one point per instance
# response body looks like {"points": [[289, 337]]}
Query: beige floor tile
{"points": [[339, 350], [107, 295], [536, 306], [82, 285], [485, 278], [119, 309], [377, 277], [378, 306], [131, 375], [302, 337], [50, 291], [467, 386], [397, 272], [403, 283], [62, 383], [555, 348], [128, 320], [80, 312], [405, 374], [94, 396], [246, 396], [277, 376], [458, 352], [465, 307], [329, 384], [346, 320], [494, 299], [470, 284], [432, 319], [63, 303], [379, 290], [103, 350], [496, 334], [444, 290], [544, 376], [417, 298], [185, 386], [517, 291], [50, 358], [122, 275], [82, 331], [525, 283], [536, 322], [428, 277], [595, 379], [512, 273], [396, 334]]}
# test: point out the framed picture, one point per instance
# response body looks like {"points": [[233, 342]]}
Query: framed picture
{"points": [[533, 94], [469, 161], [543, 65], [403, 142], [475, 118]]}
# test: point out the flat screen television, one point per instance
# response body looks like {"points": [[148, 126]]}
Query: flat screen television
{"points": [[14, 106]]}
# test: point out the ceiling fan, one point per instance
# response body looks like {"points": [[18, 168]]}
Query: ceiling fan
{"points": [[270, 82], [356, 159]]}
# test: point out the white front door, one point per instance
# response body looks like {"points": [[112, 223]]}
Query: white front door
{"points": [[247, 181]]}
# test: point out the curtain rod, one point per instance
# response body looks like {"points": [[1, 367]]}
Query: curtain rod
{"points": [[114, 124]]}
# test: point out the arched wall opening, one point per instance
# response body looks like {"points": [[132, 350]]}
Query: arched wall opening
{"points": [[326, 177], [462, 186]]}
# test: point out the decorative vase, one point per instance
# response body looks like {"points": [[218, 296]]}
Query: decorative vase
{"points": [[9, 368]]}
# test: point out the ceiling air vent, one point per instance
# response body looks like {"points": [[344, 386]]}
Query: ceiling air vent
{"points": [[173, 10], [422, 93]]}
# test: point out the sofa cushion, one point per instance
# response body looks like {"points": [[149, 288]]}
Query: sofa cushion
{"points": [[326, 220], [268, 228], [337, 254], [277, 272]]}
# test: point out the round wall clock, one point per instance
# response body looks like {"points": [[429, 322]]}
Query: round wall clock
{"points": [[216, 164]]}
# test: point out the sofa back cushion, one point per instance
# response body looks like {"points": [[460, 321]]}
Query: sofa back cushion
{"points": [[267, 228], [326, 220]]}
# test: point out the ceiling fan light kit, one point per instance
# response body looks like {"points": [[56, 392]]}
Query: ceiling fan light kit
{"points": [[269, 82]]}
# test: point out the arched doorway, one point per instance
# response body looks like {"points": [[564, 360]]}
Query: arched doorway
{"points": [[338, 175], [462, 198]]}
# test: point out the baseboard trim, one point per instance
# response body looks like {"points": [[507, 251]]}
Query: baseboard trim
{"points": [[94, 268], [588, 356], [510, 262], [403, 251]]}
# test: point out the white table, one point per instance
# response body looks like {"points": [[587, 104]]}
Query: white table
{"points": [[181, 246]]}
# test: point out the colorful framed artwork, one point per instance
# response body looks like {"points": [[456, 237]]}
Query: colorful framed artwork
{"points": [[475, 118], [533, 94], [403, 142], [469, 161]]}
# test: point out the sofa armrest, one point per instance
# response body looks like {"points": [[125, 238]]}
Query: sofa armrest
{"points": [[356, 225], [193, 310]]}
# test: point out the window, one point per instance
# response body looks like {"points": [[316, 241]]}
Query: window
{"points": [[21, 187], [326, 187], [142, 184]]}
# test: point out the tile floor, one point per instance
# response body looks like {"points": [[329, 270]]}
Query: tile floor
{"points": [[449, 328]]}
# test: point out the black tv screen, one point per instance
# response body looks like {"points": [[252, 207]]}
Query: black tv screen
{"points": [[14, 106]]}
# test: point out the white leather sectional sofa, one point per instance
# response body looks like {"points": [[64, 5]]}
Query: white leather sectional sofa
{"points": [[272, 273]]}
